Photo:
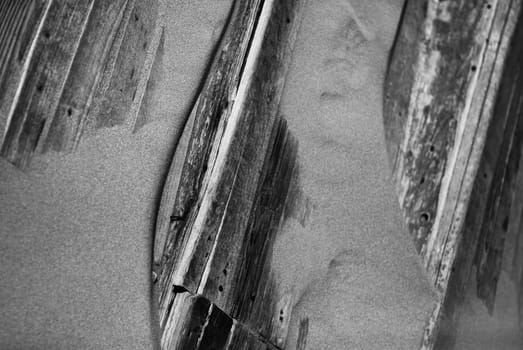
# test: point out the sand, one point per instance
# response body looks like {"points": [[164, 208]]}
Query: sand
{"points": [[77, 229], [355, 271]]}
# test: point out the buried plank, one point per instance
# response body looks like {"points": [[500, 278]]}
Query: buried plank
{"points": [[87, 68], [65, 126], [456, 238], [115, 101], [226, 220], [19, 24], [427, 91], [46, 72], [441, 125], [496, 217], [189, 165]]}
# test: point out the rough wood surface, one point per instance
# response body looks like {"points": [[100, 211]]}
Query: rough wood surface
{"points": [[19, 25], [114, 102], [87, 67], [233, 185], [65, 126], [444, 102], [189, 164], [47, 71], [202, 326]]}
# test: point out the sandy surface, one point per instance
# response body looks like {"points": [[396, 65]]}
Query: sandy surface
{"points": [[77, 229], [354, 266], [478, 330]]}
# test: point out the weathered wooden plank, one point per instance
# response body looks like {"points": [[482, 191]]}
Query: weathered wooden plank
{"points": [[140, 114], [222, 249], [46, 74], [425, 93], [65, 126], [13, 15], [439, 108], [197, 324], [114, 104], [189, 164], [18, 28], [470, 174]]}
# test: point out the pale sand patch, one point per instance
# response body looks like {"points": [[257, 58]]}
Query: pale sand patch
{"points": [[354, 265]]}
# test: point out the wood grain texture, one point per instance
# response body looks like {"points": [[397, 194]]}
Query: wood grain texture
{"points": [[189, 164], [88, 67], [20, 25], [47, 72], [65, 127], [448, 111], [202, 326], [114, 104], [426, 93], [228, 212]]}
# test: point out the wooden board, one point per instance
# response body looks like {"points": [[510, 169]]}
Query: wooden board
{"points": [[230, 191], [124, 72], [200, 325], [20, 24], [47, 71], [87, 67], [450, 121], [65, 127]]}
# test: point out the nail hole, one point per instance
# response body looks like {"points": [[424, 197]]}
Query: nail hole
{"points": [[422, 180], [69, 111], [135, 17], [473, 68], [40, 88], [47, 35], [220, 288], [424, 218], [432, 148], [224, 272], [288, 20]]}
